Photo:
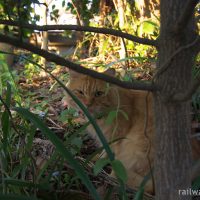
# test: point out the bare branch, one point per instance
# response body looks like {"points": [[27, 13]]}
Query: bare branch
{"points": [[78, 68], [165, 66], [186, 15], [187, 95], [83, 28]]}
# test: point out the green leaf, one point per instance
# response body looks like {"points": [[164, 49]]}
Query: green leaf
{"points": [[68, 113], [23, 164], [119, 170], [77, 142], [61, 148], [84, 109], [100, 164], [109, 192], [111, 116], [139, 194], [124, 114], [81, 129], [148, 27], [136, 58], [30, 138], [8, 94], [21, 183], [5, 120], [104, 45], [63, 3], [53, 6]]}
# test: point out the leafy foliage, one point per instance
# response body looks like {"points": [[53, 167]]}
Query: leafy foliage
{"points": [[25, 161], [84, 9], [17, 11], [20, 178]]}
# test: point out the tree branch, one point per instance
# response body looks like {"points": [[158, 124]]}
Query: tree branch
{"points": [[78, 68], [187, 95], [186, 15], [165, 66], [83, 28]]}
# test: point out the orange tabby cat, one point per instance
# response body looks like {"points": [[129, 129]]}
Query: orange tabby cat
{"points": [[136, 150]]}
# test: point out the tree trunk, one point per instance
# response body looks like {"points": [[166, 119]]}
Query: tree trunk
{"points": [[173, 123]]}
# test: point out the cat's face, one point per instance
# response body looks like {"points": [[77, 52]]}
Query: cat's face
{"points": [[95, 94]]}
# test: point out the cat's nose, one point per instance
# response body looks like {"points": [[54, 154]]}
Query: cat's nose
{"points": [[87, 102]]}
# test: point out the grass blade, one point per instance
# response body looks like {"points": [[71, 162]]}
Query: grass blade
{"points": [[20, 183], [61, 148], [84, 109], [16, 197]]}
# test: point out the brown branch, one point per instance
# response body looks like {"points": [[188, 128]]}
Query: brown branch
{"points": [[165, 66], [83, 28], [186, 15], [78, 68], [187, 95]]}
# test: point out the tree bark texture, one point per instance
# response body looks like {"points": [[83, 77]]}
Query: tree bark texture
{"points": [[172, 119]]}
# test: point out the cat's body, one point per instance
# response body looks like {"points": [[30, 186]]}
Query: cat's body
{"points": [[136, 148]]}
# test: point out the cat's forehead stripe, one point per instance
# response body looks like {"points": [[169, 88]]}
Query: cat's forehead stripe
{"points": [[89, 85]]}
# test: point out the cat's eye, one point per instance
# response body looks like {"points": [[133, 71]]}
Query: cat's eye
{"points": [[99, 93]]}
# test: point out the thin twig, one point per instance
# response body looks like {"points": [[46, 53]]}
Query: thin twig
{"points": [[83, 28], [57, 126], [77, 13], [110, 180], [78, 68], [148, 138], [187, 95], [126, 52], [165, 66]]}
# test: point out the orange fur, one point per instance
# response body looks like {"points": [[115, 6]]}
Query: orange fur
{"points": [[134, 150], [137, 149]]}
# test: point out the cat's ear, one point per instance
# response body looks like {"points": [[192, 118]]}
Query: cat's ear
{"points": [[110, 72]]}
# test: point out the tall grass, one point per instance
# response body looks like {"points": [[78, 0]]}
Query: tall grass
{"points": [[10, 183]]}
